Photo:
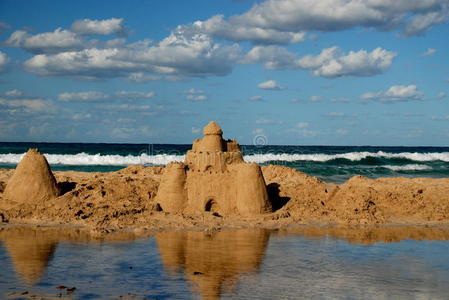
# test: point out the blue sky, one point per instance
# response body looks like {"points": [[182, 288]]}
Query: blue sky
{"points": [[299, 72]]}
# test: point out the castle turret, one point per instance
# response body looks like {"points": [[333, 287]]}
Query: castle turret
{"points": [[172, 194], [252, 196], [212, 140]]}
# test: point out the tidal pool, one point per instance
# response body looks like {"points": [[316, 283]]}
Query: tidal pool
{"points": [[307, 262]]}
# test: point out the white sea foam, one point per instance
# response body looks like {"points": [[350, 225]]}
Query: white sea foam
{"points": [[163, 159], [353, 156], [410, 167], [84, 159]]}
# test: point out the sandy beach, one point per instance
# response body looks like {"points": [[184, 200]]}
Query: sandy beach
{"points": [[125, 199]]}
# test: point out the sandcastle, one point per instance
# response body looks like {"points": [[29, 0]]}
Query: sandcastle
{"points": [[32, 181], [213, 178]]}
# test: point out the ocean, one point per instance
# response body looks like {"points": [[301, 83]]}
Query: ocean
{"points": [[330, 163]]}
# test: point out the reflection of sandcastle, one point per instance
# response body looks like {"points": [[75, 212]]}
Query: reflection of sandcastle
{"points": [[213, 263], [213, 178], [30, 251]]}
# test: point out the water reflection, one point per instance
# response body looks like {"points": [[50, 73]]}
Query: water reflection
{"points": [[213, 262], [31, 248], [240, 263]]}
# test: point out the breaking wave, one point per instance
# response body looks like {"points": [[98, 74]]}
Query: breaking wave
{"points": [[85, 159], [410, 167]]}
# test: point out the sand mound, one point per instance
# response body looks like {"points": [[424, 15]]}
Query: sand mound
{"points": [[32, 181]]}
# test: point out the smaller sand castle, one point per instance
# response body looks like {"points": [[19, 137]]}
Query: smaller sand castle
{"points": [[213, 178], [32, 181]]}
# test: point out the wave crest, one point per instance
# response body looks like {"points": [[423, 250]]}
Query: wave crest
{"points": [[163, 159]]}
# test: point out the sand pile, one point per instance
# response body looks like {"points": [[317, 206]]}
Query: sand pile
{"points": [[33, 181]]}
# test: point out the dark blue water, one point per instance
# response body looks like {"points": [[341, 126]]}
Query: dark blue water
{"points": [[331, 163]]}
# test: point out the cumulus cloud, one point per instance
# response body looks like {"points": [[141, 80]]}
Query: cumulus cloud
{"points": [[411, 16], [94, 96], [48, 42], [429, 52], [286, 21], [15, 99], [270, 85], [182, 53], [238, 30], [99, 27], [330, 63], [396, 93], [3, 61]]}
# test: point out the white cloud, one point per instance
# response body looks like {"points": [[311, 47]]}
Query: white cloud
{"points": [[141, 77], [193, 91], [94, 96], [416, 16], [81, 116], [83, 96], [330, 63], [29, 104], [315, 98], [3, 61], [429, 52], [237, 31], [182, 53], [272, 57], [99, 27], [395, 93], [441, 95], [270, 85], [196, 97], [15, 93], [302, 124], [255, 98], [133, 95], [48, 42]]}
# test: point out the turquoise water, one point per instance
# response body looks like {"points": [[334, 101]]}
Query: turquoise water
{"points": [[325, 263], [331, 163]]}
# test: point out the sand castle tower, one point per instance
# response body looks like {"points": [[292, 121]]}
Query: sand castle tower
{"points": [[32, 180], [213, 178]]}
